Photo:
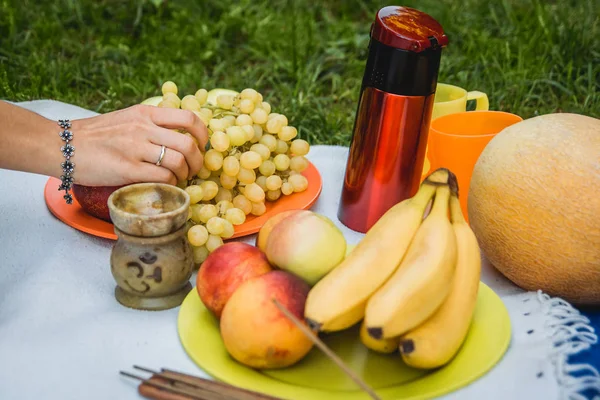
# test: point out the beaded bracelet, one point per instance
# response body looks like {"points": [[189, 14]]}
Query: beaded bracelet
{"points": [[68, 167]]}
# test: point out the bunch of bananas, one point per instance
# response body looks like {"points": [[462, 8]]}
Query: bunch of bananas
{"points": [[412, 280]]}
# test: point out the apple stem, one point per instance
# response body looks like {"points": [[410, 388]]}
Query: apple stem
{"points": [[328, 352]]}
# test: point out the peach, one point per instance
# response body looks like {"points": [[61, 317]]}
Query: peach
{"points": [[265, 230], [255, 332], [225, 269], [306, 244], [94, 199]]}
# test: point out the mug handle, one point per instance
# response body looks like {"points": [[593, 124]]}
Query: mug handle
{"points": [[481, 100]]}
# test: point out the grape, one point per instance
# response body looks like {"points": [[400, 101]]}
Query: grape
{"points": [[262, 182], [229, 120], [283, 119], [200, 254], [246, 106], [250, 160], [173, 98], [246, 176], [201, 96], [274, 125], [266, 106], [237, 216], [190, 102], [204, 173], [243, 119], [298, 182], [261, 149], [196, 193], [213, 160], [269, 141], [223, 206], [223, 195], [287, 188], [273, 182], [267, 168], [169, 87], [241, 202], [299, 147], [237, 136], [259, 116], [258, 132], [249, 130], [207, 112], [259, 98], [298, 163], [215, 225], [249, 94], [254, 193], [273, 195], [206, 212], [231, 166], [167, 104], [213, 243], [258, 209], [219, 141], [210, 190], [197, 235], [282, 162], [190, 213], [228, 229], [282, 147], [202, 117], [228, 181], [216, 124], [196, 212], [287, 133], [225, 101]]}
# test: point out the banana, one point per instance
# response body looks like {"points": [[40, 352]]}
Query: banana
{"points": [[423, 279], [338, 300], [436, 341], [385, 346]]}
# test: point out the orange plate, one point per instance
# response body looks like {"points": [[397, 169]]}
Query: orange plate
{"points": [[74, 216]]}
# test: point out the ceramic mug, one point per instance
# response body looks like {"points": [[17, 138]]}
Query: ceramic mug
{"points": [[458, 139], [450, 99]]}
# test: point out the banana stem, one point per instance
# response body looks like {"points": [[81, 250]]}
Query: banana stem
{"points": [[440, 202], [456, 214]]}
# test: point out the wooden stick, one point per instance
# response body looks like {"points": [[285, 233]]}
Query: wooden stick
{"points": [[328, 352], [191, 394], [214, 386]]}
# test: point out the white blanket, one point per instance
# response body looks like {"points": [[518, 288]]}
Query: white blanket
{"points": [[63, 336]]}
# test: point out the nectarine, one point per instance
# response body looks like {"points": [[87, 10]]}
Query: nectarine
{"points": [[94, 199], [225, 269], [306, 244], [265, 230], [255, 332]]}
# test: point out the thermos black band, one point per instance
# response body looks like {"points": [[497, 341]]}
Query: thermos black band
{"points": [[402, 72]]}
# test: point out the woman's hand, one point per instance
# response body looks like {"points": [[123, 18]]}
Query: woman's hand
{"points": [[124, 146]]}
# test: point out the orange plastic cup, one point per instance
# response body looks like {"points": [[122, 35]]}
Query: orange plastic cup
{"points": [[457, 140]]}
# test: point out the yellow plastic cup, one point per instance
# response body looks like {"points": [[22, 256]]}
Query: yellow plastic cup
{"points": [[450, 99]]}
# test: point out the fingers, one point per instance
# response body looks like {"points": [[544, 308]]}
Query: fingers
{"points": [[172, 160], [177, 142], [172, 118], [146, 172]]}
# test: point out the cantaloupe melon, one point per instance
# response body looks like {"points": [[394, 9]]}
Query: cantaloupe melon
{"points": [[534, 204]]}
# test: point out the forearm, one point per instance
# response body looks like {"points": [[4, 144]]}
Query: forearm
{"points": [[29, 142]]}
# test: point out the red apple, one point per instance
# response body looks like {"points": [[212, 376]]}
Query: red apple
{"points": [[94, 199], [225, 269]]}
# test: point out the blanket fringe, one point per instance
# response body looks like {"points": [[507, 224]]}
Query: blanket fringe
{"points": [[570, 333]]}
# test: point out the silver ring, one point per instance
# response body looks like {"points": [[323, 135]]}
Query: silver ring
{"points": [[163, 150]]}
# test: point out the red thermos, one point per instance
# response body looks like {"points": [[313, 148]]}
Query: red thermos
{"points": [[394, 111]]}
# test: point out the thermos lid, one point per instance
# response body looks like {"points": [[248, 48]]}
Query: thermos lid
{"points": [[407, 29]]}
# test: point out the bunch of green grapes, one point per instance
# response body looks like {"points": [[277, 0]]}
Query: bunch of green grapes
{"points": [[253, 156]]}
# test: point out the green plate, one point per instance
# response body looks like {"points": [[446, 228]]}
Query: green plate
{"points": [[316, 377]]}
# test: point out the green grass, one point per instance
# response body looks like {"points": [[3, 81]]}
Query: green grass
{"points": [[307, 57]]}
